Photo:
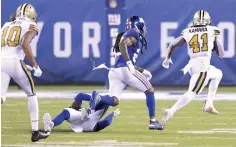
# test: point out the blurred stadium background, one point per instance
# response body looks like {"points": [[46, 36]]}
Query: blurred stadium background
{"points": [[76, 35]]}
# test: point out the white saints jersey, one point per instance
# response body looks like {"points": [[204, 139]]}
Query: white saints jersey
{"points": [[12, 37], [200, 41]]}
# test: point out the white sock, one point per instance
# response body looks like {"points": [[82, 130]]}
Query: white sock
{"points": [[212, 90], [153, 119], [34, 112], [182, 101]]}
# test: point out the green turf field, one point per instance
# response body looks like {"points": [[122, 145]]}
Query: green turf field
{"points": [[189, 127]]}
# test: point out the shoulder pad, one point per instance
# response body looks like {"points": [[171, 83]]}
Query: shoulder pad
{"points": [[131, 33]]}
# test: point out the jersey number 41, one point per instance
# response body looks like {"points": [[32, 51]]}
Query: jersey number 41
{"points": [[194, 44]]}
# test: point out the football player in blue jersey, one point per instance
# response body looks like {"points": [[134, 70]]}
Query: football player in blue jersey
{"points": [[126, 73], [82, 119]]}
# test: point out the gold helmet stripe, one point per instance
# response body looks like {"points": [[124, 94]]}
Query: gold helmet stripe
{"points": [[23, 9]]}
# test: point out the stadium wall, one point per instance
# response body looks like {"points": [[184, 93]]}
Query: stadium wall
{"points": [[73, 33]]}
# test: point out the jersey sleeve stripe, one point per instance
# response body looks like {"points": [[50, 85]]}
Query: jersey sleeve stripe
{"points": [[34, 27], [217, 32]]}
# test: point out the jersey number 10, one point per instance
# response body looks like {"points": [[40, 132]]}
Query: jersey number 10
{"points": [[194, 44], [13, 37]]}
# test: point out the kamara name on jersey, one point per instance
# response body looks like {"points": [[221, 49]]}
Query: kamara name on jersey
{"points": [[200, 29]]}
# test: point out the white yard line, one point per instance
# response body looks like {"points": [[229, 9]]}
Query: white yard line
{"points": [[212, 131], [100, 143], [129, 94]]}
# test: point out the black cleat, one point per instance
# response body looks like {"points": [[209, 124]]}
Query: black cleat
{"points": [[37, 135]]}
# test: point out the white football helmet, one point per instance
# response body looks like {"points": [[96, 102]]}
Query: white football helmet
{"points": [[201, 17]]}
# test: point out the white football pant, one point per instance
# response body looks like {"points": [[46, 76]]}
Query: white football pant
{"points": [[17, 70], [120, 77], [86, 125], [199, 80]]}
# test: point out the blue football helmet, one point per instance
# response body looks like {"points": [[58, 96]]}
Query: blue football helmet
{"points": [[136, 22]]}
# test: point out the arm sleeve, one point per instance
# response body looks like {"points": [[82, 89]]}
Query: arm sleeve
{"points": [[219, 47]]}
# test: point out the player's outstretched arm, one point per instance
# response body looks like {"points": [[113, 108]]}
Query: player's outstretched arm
{"points": [[28, 37], [175, 43]]}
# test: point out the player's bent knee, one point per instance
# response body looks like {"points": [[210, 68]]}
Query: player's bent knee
{"points": [[65, 113], [151, 89], [76, 105], [116, 101]]}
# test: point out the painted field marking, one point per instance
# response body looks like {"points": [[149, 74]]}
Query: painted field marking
{"points": [[126, 95], [100, 143], [212, 131]]}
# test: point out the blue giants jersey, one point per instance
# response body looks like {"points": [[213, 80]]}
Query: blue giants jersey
{"points": [[133, 51]]}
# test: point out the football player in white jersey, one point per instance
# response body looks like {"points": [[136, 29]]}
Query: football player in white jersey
{"points": [[15, 45], [202, 39]]}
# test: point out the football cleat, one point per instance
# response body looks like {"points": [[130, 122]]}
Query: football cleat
{"points": [[37, 135], [166, 115], [209, 109], [48, 124], [155, 125]]}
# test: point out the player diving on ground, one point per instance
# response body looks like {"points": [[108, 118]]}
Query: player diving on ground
{"points": [[201, 39], [83, 119]]}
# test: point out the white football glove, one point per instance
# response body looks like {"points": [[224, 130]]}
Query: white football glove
{"points": [[147, 74], [166, 63], [37, 71], [131, 67], [116, 113]]}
